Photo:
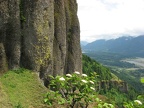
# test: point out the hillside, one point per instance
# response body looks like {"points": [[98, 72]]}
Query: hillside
{"points": [[124, 56], [90, 65], [112, 86], [131, 46], [21, 89]]}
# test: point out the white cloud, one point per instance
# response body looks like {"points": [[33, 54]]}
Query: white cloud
{"points": [[110, 18]]}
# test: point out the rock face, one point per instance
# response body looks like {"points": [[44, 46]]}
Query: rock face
{"points": [[41, 35], [109, 84], [3, 63]]}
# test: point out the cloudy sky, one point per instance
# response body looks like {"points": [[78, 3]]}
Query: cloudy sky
{"points": [[106, 19]]}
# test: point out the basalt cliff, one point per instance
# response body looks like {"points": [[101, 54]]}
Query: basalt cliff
{"points": [[40, 35]]}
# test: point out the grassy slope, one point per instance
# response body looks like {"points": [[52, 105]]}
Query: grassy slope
{"points": [[21, 88], [4, 101]]}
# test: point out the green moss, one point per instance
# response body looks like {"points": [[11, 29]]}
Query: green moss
{"points": [[42, 49], [22, 17], [23, 88], [42, 52], [44, 56]]}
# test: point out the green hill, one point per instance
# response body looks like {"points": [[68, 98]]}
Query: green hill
{"points": [[90, 65], [113, 87]]}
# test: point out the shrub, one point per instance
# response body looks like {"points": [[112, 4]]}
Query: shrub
{"points": [[75, 90]]}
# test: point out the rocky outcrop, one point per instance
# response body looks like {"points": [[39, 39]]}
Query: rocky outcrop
{"points": [[41, 35], [37, 35], [109, 84], [66, 38]]}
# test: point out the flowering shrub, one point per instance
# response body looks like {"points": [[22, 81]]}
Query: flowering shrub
{"points": [[134, 104], [75, 90], [79, 90]]}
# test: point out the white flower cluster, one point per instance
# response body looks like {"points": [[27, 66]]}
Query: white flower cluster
{"points": [[68, 75], [62, 79], [84, 75], [76, 72], [84, 81], [92, 88], [138, 102], [111, 106], [91, 82]]}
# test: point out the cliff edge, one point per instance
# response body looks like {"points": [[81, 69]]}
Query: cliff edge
{"points": [[40, 35]]}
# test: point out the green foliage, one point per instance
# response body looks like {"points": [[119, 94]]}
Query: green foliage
{"points": [[105, 105], [116, 97], [75, 90], [113, 93], [132, 77], [141, 98], [18, 106], [90, 66], [134, 104], [125, 71], [142, 79]]}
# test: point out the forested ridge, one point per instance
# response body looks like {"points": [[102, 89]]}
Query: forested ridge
{"points": [[90, 65], [125, 45], [111, 85]]}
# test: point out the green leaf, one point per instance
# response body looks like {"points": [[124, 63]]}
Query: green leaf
{"points": [[142, 79], [45, 100]]}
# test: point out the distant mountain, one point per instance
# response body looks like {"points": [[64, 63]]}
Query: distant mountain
{"points": [[83, 43], [124, 45]]}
